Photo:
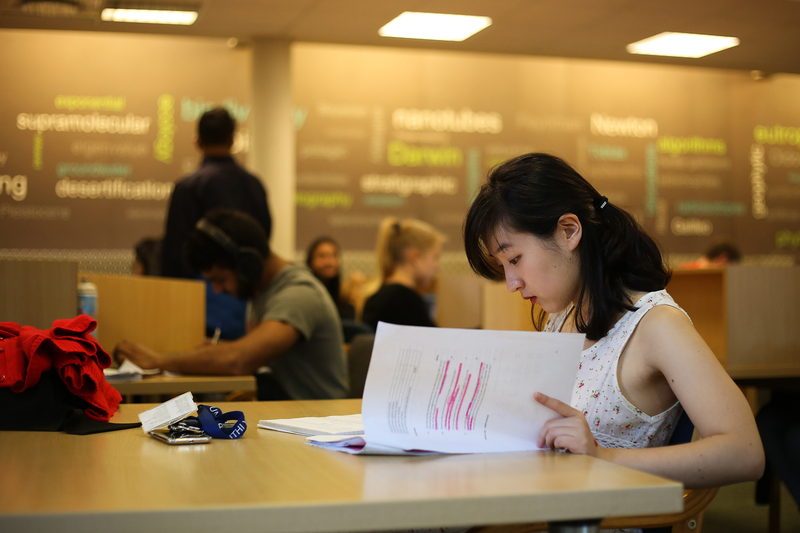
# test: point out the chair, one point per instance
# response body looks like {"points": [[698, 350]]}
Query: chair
{"points": [[774, 521], [776, 421], [351, 328], [358, 356], [690, 520]]}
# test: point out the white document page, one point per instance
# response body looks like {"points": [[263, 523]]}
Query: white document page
{"points": [[127, 371], [317, 425], [464, 391]]}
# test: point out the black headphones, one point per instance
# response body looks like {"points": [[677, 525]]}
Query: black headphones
{"points": [[248, 262]]}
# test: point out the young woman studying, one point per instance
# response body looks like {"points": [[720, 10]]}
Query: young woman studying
{"points": [[408, 260], [592, 269]]}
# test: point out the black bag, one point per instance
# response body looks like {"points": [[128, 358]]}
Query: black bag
{"points": [[49, 406]]}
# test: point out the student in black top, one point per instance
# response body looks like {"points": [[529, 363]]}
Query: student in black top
{"points": [[408, 260]]}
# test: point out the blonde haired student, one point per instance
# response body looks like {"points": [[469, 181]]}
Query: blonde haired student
{"points": [[588, 264], [408, 260]]}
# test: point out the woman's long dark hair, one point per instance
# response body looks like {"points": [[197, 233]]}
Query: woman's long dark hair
{"points": [[528, 194]]}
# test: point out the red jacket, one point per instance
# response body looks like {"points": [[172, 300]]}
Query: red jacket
{"points": [[26, 352]]}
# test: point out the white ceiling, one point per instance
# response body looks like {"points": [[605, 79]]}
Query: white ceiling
{"points": [[769, 30]]}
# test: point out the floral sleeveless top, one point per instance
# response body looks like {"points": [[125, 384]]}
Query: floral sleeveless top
{"points": [[615, 422]]}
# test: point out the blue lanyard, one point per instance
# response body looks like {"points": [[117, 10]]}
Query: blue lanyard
{"points": [[219, 425]]}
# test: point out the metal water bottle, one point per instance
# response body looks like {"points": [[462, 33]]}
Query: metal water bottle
{"points": [[87, 300]]}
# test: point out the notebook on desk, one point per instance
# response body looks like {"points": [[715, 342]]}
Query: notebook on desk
{"points": [[325, 425]]}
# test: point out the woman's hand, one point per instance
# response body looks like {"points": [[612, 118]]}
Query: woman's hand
{"points": [[570, 432]]}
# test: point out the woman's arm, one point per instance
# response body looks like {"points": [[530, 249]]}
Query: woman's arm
{"points": [[730, 449]]}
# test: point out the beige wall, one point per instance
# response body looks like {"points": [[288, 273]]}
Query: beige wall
{"points": [[347, 98]]}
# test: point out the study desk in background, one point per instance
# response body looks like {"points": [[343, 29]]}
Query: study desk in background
{"points": [[174, 385], [126, 481]]}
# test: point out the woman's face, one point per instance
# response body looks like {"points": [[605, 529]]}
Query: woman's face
{"points": [[325, 261], [543, 272], [427, 265]]}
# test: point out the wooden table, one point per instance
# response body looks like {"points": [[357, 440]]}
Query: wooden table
{"points": [[268, 481], [161, 384]]}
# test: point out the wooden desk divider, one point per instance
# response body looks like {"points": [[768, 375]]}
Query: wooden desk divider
{"points": [[35, 293], [164, 314], [503, 310], [458, 301], [702, 294], [748, 315]]}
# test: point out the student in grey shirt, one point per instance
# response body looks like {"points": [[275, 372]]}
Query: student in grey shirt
{"points": [[312, 368], [293, 327]]}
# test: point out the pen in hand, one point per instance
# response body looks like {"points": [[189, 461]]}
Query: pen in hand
{"points": [[215, 338]]}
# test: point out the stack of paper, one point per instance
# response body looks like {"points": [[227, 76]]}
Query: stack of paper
{"points": [[127, 371], [325, 425], [458, 391]]}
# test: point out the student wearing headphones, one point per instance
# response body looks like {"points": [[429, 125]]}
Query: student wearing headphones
{"points": [[293, 327]]}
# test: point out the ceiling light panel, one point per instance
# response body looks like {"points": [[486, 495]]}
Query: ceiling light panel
{"points": [[149, 16], [682, 45], [434, 26]]}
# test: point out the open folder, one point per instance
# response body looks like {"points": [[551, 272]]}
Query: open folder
{"points": [[459, 391]]}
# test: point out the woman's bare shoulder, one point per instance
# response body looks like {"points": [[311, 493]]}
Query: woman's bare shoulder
{"points": [[666, 332], [665, 317]]}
